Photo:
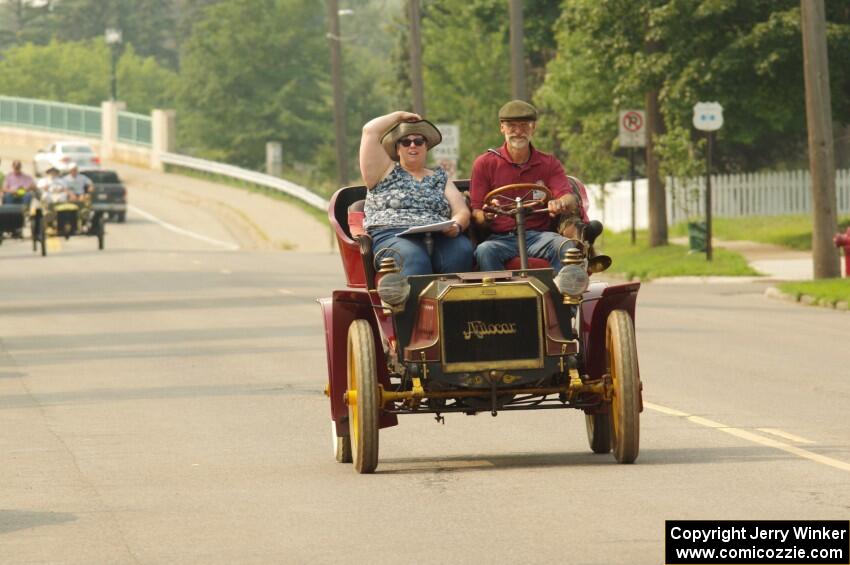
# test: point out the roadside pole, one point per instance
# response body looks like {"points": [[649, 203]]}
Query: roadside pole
{"points": [[709, 253], [634, 197], [708, 117], [415, 47], [632, 134], [334, 40], [517, 50]]}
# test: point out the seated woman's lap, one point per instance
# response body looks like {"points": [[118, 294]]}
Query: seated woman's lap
{"points": [[450, 255]]}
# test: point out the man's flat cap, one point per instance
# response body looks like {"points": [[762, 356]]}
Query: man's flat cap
{"points": [[517, 110]]}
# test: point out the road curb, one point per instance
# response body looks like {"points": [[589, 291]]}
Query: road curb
{"points": [[805, 299]]}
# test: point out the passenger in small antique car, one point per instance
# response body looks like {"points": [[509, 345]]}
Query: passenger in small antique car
{"points": [[518, 161], [403, 193]]}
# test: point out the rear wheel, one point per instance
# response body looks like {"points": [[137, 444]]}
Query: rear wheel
{"points": [[623, 368], [122, 217], [598, 432], [362, 397], [342, 446], [99, 229]]}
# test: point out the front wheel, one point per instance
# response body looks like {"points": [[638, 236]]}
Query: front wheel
{"points": [[623, 369], [598, 432], [363, 397]]}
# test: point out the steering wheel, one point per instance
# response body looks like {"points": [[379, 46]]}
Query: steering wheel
{"points": [[511, 206]]}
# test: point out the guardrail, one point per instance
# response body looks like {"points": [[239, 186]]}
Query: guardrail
{"points": [[50, 116], [134, 128], [231, 171]]}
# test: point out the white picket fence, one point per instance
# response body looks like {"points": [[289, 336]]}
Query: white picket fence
{"points": [[741, 195]]}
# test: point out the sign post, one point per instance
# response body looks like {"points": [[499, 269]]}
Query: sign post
{"points": [[708, 117], [632, 134], [447, 152]]}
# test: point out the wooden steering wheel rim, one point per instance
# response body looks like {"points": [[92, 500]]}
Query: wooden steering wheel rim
{"points": [[547, 194]]}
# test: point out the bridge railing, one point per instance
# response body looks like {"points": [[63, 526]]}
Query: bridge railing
{"points": [[246, 175], [51, 116], [134, 128]]}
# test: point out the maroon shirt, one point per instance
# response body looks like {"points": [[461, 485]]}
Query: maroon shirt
{"points": [[495, 168]]}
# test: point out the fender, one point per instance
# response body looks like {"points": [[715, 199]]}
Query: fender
{"points": [[338, 312], [599, 302]]}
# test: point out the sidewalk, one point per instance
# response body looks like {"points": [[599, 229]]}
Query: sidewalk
{"points": [[774, 262]]}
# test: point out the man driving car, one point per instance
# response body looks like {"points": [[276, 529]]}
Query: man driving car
{"points": [[518, 161]]}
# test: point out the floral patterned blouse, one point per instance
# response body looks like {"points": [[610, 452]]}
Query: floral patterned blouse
{"points": [[401, 201]]}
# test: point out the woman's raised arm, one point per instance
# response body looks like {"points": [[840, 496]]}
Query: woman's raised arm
{"points": [[374, 161]]}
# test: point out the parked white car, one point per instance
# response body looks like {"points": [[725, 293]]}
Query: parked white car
{"points": [[62, 153]]}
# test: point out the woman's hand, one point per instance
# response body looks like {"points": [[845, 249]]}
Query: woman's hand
{"points": [[403, 116], [453, 230]]}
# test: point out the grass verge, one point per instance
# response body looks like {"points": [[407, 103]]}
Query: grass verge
{"points": [[828, 290], [641, 260], [789, 231], [320, 215]]}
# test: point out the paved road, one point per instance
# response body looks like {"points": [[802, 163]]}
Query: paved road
{"points": [[160, 403]]}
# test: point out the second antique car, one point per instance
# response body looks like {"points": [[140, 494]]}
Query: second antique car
{"points": [[520, 339]]}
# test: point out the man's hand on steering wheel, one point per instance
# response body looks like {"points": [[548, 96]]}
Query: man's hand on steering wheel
{"points": [[565, 204], [497, 202]]}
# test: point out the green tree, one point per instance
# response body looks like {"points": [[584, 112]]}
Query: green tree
{"points": [[23, 21], [255, 71], [466, 58], [78, 72], [149, 25]]}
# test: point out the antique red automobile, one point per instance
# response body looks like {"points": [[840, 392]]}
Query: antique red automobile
{"points": [[520, 339]]}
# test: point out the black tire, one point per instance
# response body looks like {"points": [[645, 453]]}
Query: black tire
{"points": [[598, 432], [34, 222], [342, 446], [623, 368], [362, 397], [42, 236], [122, 217], [100, 230]]}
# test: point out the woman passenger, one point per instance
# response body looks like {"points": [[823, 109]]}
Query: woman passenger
{"points": [[402, 193]]}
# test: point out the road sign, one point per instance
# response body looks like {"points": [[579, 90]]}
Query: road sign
{"points": [[708, 116], [449, 148], [632, 128]]}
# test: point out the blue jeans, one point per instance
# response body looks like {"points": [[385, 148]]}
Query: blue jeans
{"points": [[450, 254], [496, 250], [10, 198]]}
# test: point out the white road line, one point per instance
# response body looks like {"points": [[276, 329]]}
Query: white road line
{"points": [[755, 438], [181, 231], [784, 435]]}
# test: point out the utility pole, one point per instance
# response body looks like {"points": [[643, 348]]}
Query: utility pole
{"points": [[334, 40], [416, 58], [825, 258], [517, 51]]}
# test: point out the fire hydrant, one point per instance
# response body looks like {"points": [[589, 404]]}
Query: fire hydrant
{"points": [[843, 240]]}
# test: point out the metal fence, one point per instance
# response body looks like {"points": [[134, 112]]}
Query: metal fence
{"points": [[246, 175], [50, 116], [134, 128], [750, 194]]}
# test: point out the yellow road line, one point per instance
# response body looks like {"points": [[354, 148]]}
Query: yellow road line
{"points": [[755, 438], [784, 435]]}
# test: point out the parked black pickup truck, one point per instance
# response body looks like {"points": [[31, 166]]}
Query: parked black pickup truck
{"points": [[110, 195]]}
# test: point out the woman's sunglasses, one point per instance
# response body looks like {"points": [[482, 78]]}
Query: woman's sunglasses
{"points": [[418, 142]]}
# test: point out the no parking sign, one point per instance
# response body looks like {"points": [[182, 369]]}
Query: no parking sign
{"points": [[632, 128]]}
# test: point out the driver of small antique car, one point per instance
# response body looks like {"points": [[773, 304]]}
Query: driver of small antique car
{"points": [[518, 161]]}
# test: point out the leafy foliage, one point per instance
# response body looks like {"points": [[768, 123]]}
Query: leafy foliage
{"points": [[79, 72], [466, 61], [249, 77]]}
